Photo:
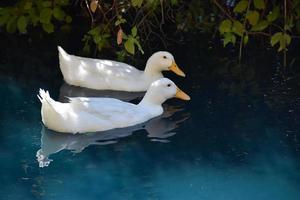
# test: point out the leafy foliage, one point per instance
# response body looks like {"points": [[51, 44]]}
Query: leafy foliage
{"points": [[27, 13], [256, 18], [129, 26]]}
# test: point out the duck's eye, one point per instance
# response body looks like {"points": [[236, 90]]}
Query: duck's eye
{"points": [[165, 57], [169, 85]]}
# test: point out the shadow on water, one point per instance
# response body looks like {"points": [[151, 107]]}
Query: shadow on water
{"points": [[67, 90]]}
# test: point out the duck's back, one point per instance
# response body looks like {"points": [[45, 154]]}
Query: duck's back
{"points": [[101, 74]]}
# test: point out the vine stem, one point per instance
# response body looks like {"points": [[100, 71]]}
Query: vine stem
{"points": [[284, 30], [223, 10], [91, 15], [243, 34]]}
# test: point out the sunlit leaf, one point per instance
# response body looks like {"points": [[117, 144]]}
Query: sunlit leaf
{"points": [[275, 38], [259, 4], [260, 26], [246, 39], [238, 28], [229, 38], [138, 45], [273, 15], [134, 31], [45, 16], [288, 39], [225, 26], [22, 24], [241, 6], [129, 46], [252, 17]]}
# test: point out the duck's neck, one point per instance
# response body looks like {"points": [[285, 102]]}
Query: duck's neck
{"points": [[153, 103], [151, 70]]}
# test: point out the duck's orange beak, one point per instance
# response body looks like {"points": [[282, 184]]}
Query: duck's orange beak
{"points": [[181, 95], [174, 68]]}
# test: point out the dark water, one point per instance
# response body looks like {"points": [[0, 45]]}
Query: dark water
{"points": [[236, 139]]}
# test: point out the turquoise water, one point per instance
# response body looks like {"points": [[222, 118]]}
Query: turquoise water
{"points": [[214, 147], [238, 138]]}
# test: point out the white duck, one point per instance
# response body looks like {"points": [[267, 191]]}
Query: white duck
{"points": [[112, 75], [100, 114]]}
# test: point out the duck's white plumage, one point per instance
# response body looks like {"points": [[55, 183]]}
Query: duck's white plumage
{"points": [[112, 75], [83, 114]]}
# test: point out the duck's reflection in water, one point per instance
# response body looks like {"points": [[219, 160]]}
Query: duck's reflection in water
{"points": [[67, 90], [158, 129]]}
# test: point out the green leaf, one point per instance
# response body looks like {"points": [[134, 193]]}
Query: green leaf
{"points": [[259, 4], [273, 15], [282, 43], [287, 39], [58, 13], [260, 26], [28, 5], [34, 17], [253, 17], [11, 25], [22, 24], [275, 38], [138, 45], [174, 2], [45, 16], [47, 4], [120, 21], [129, 46], [62, 2], [225, 26], [4, 19], [68, 19], [241, 6], [229, 38], [238, 28], [134, 31], [48, 28], [94, 31], [246, 39], [97, 39], [137, 3]]}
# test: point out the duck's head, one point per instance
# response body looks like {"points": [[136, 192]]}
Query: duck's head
{"points": [[163, 89], [162, 61]]}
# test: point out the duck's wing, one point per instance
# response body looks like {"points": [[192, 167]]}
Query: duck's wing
{"points": [[108, 67], [111, 110]]}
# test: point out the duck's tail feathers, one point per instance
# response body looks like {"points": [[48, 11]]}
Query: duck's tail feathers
{"points": [[65, 64], [46, 100], [61, 51], [44, 96]]}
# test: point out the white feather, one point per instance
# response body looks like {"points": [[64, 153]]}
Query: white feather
{"points": [[112, 75]]}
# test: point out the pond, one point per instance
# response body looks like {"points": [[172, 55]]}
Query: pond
{"points": [[226, 143]]}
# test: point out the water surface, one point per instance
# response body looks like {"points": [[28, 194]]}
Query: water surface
{"points": [[227, 143]]}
